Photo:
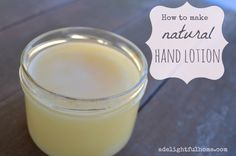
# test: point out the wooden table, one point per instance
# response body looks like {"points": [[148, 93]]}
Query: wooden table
{"points": [[201, 113]]}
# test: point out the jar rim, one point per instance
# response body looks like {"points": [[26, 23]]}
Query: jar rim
{"points": [[141, 80]]}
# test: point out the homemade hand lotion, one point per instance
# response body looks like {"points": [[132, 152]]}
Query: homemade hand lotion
{"points": [[82, 90]]}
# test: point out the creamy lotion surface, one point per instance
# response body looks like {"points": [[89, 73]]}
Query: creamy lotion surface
{"points": [[81, 70]]}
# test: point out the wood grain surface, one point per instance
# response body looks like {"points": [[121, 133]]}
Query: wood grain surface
{"points": [[202, 113]]}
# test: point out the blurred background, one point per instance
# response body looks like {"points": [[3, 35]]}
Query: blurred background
{"points": [[172, 113]]}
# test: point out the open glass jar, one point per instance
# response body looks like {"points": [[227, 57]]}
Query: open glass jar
{"points": [[61, 125]]}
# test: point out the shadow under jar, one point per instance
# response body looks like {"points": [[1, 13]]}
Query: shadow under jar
{"points": [[82, 90]]}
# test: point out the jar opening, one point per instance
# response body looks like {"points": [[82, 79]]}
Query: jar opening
{"points": [[83, 34]]}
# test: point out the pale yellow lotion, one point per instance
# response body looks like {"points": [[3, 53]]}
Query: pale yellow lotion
{"points": [[81, 70]]}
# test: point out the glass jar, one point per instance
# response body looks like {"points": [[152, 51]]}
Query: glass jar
{"points": [[67, 126]]}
